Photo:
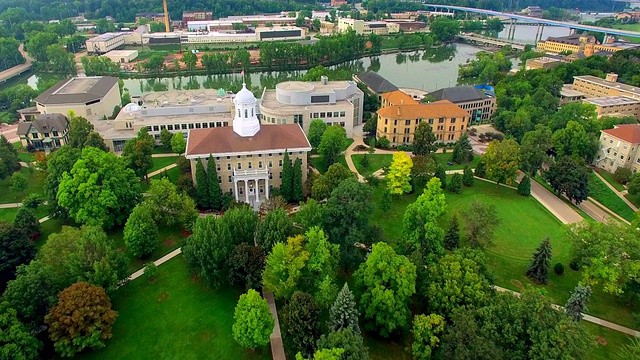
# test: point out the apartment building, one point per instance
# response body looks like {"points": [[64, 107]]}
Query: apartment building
{"points": [[334, 102], [592, 86], [615, 106], [480, 104], [399, 122], [619, 147], [45, 132]]}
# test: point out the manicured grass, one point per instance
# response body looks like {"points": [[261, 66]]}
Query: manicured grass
{"points": [[36, 183], [611, 180], [26, 156], [444, 158], [172, 174], [161, 150], [174, 317], [601, 192], [8, 214], [318, 163], [376, 162], [635, 200], [614, 341], [159, 163], [349, 142]]}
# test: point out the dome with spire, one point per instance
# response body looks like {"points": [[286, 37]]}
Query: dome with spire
{"points": [[244, 96]]}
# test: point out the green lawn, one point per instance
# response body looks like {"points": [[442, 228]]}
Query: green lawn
{"points": [[444, 158], [172, 173], [631, 27], [318, 163], [175, 317], [160, 162], [601, 192], [161, 150], [376, 162], [611, 180], [36, 183]]}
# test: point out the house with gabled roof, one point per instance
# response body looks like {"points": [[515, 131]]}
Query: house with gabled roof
{"points": [[45, 132], [619, 147]]}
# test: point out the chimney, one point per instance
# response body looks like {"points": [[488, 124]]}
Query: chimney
{"points": [[324, 80], [399, 110], [612, 77]]}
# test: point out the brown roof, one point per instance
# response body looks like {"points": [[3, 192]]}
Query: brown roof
{"points": [[44, 123], [77, 90], [399, 97], [222, 140], [629, 133], [438, 109]]}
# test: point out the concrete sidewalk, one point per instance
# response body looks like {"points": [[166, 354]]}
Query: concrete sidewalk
{"points": [[159, 171]]}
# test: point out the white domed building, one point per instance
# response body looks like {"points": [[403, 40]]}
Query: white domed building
{"points": [[248, 157]]}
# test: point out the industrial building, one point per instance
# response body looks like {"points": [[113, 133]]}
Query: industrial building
{"points": [[362, 27], [196, 16], [122, 56], [104, 43]]}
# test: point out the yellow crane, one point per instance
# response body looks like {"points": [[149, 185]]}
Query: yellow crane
{"points": [[166, 16]]}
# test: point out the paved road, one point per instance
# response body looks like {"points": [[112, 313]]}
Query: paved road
{"points": [[9, 73], [555, 205], [10, 132]]}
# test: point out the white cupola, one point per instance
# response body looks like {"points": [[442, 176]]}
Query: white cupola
{"points": [[245, 121]]}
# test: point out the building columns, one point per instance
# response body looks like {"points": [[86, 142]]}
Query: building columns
{"points": [[266, 188], [235, 185], [246, 191]]}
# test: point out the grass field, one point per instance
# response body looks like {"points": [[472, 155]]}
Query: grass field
{"points": [[601, 192], [318, 163], [610, 179], [444, 158], [160, 162], [172, 173], [630, 27], [376, 162], [175, 317], [161, 150], [36, 183]]}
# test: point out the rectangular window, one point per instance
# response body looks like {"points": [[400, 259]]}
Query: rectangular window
{"points": [[155, 128], [395, 122], [431, 121], [190, 126], [183, 126], [219, 179], [342, 114], [297, 119], [250, 167], [228, 166], [212, 124], [217, 167], [386, 121], [259, 164], [440, 121], [162, 127], [169, 127], [335, 114], [205, 125], [46, 135], [406, 130], [407, 122], [453, 120], [197, 125], [342, 123], [280, 163], [323, 115], [239, 166], [270, 163], [230, 179]]}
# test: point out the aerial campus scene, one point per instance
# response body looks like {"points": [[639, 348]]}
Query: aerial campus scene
{"points": [[335, 179]]}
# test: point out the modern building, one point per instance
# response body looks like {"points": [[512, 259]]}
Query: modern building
{"points": [[215, 37], [104, 43], [122, 56], [45, 132], [175, 111], [375, 83], [334, 102], [480, 104], [583, 44], [279, 33], [196, 16], [407, 25], [248, 157], [617, 106], [362, 27], [592, 86], [93, 98], [619, 147], [399, 122], [542, 63]]}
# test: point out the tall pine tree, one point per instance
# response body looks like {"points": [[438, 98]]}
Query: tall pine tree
{"points": [[297, 181], [215, 193], [452, 237], [343, 313], [538, 271], [286, 187], [441, 174], [577, 303], [202, 186]]}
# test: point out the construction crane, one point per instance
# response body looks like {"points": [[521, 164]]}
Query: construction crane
{"points": [[166, 16]]}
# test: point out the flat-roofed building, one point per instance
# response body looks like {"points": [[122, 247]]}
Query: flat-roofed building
{"points": [[93, 97], [196, 16], [279, 33], [104, 43], [248, 157], [151, 16], [569, 95], [334, 102], [478, 103], [593, 86], [45, 132], [122, 56], [398, 123], [617, 106], [542, 63], [619, 147], [362, 27]]}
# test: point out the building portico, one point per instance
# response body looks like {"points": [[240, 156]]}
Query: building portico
{"points": [[251, 186]]}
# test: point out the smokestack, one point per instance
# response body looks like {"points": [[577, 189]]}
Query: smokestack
{"points": [[166, 16]]}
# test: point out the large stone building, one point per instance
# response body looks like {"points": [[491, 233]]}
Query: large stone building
{"points": [[334, 102], [619, 147], [592, 86], [249, 158], [398, 120], [45, 132], [478, 103], [93, 98], [583, 44]]}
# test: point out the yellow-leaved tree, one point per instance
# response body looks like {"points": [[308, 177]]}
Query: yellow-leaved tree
{"points": [[399, 176]]}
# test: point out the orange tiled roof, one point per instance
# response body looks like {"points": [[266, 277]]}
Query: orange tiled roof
{"points": [[438, 109], [398, 97], [629, 133]]}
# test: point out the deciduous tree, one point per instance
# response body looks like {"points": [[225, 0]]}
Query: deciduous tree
{"points": [[95, 140], [323, 259], [441, 174], [246, 264], [420, 229], [253, 321], [141, 232], [502, 160], [79, 130], [19, 182], [137, 153], [168, 206], [387, 281], [309, 215], [399, 175], [208, 248], [165, 138], [576, 142], [462, 151], [480, 222], [423, 169], [317, 128], [324, 185], [82, 319], [538, 270], [425, 335], [276, 227], [333, 143], [178, 143], [284, 267], [9, 161], [534, 147], [99, 190], [301, 317], [424, 140], [15, 249], [58, 163], [242, 222], [569, 176], [27, 222], [16, 339], [347, 340]]}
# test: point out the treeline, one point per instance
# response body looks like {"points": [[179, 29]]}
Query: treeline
{"points": [[499, 5], [9, 54]]}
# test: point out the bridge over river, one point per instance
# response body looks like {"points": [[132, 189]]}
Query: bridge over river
{"points": [[18, 69]]}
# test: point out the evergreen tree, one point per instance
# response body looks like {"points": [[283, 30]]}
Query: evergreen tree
{"points": [[215, 193], [297, 193], [538, 271], [480, 170], [424, 140], [524, 188], [468, 178], [286, 189], [462, 151], [577, 303], [442, 175], [343, 313], [455, 185], [452, 237], [202, 186]]}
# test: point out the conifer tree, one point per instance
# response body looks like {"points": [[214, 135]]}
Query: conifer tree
{"points": [[480, 170], [524, 188], [286, 189], [442, 175], [343, 313], [467, 177], [215, 193], [463, 151], [202, 186], [538, 271], [297, 181], [452, 238], [577, 303]]}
